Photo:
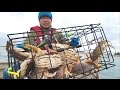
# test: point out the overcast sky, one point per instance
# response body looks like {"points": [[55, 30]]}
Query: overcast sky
{"points": [[13, 22]]}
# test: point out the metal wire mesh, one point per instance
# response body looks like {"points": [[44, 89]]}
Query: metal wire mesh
{"points": [[89, 35]]}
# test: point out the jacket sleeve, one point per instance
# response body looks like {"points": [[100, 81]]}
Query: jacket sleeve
{"points": [[31, 38]]}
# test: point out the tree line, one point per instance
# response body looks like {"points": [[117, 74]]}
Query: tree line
{"points": [[117, 53]]}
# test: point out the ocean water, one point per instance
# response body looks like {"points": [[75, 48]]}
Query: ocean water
{"points": [[113, 72], [3, 54], [110, 73]]}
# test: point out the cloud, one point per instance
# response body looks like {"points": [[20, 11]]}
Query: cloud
{"points": [[13, 22]]}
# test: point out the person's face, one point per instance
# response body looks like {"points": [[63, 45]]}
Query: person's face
{"points": [[45, 22]]}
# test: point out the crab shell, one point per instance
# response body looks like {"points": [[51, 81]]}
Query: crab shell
{"points": [[48, 61]]}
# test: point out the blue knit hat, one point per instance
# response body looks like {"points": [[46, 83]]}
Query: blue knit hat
{"points": [[42, 14]]}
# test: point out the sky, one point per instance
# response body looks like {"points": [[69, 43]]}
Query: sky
{"points": [[15, 22]]}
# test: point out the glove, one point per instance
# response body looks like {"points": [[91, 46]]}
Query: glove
{"points": [[20, 46], [74, 42]]}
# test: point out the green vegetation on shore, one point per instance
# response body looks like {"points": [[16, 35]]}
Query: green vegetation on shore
{"points": [[117, 53]]}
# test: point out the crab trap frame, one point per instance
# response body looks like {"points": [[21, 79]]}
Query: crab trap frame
{"points": [[92, 48]]}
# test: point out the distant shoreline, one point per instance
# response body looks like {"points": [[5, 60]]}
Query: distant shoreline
{"points": [[116, 55], [2, 46]]}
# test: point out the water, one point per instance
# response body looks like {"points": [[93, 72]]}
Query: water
{"points": [[3, 54], [111, 73]]}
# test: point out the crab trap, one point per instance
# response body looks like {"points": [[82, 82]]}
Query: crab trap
{"points": [[78, 52]]}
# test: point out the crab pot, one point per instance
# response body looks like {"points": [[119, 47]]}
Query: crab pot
{"points": [[88, 44]]}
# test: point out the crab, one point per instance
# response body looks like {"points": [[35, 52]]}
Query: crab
{"points": [[94, 57]]}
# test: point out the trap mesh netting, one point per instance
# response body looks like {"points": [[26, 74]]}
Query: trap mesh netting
{"points": [[69, 53]]}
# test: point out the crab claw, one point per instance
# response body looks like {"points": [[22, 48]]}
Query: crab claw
{"points": [[67, 73]]}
